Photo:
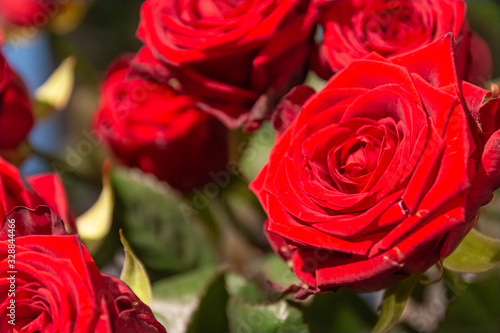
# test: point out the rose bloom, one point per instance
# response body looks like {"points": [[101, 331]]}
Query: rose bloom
{"points": [[382, 173], [28, 13], [238, 57], [355, 28], [16, 114], [44, 189], [57, 286], [150, 126]]}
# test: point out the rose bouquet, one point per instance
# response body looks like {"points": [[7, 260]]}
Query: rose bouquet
{"points": [[250, 166]]}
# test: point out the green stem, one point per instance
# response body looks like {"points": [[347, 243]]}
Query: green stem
{"points": [[240, 226], [213, 229]]}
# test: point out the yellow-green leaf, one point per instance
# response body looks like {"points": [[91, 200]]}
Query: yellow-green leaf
{"points": [[476, 253], [94, 225], [393, 303], [70, 15], [134, 274], [55, 93]]}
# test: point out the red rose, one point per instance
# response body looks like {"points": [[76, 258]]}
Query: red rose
{"points": [[46, 189], [150, 126], [379, 176], [57, 286], [28, 12], [355, 28], [238, 57], [16, 115]]}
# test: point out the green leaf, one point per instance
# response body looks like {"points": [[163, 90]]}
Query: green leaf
{"points": [[211, 315], [472, 307], [279, 317], [341, 311], [178, 300], [277, 271], [294, 323], [394, 302], [257, 151], [134, 274], [418, 293], [245, 290], [160, 228], [476, 253]]}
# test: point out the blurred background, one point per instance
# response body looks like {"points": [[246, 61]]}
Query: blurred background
{"points": [[99, 31]]}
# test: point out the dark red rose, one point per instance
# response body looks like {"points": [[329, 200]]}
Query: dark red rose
{"points": [[238, 57], [16, 114], [29, 12], [44, 189], [382, 173], [355, 28], [57, 286], [150, 126]]}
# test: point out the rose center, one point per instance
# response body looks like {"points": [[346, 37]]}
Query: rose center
{"points": [[357, 157], [217, 10], [355, 162], [395, 25]]}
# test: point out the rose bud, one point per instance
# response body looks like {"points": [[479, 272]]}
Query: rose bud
{"points": [[355, 28], [56, 286], [238, 58], [16, 114], [150, 126], [382, 173]]}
